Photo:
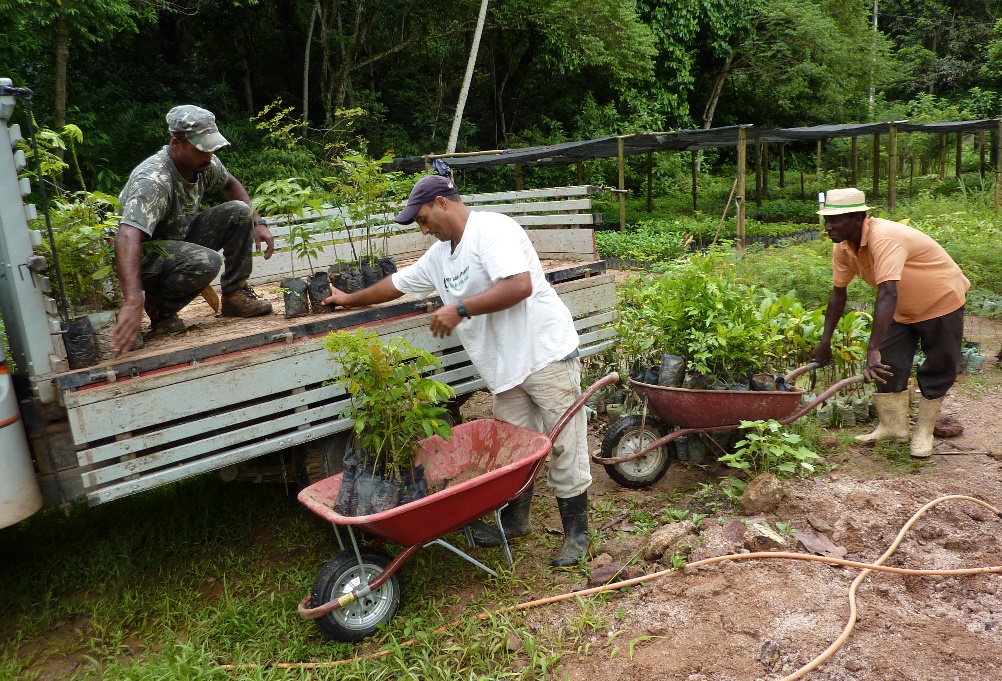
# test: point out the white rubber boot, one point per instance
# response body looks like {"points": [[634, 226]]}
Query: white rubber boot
{"points": [[892, 410], [922, 440]]}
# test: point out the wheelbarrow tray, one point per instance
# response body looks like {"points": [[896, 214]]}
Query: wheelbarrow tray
{"points": [[485, 464], [690, 408]]}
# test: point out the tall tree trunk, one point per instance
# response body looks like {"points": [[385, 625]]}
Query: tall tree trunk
{"points": [[711, 104], [248, 91], [454, 135], [306, 68], [348, 51], [62, 58], [718, 87]]}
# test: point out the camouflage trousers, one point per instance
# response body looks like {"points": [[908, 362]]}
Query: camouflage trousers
{"points": [[174, 272]]}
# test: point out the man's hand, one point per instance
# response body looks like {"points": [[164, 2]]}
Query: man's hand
{"points": [[337, 297], [445, 320], [876, 370], [123, 335], [823, 352], [262, 233]]}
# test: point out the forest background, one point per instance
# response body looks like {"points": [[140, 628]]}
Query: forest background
{"points": [[380, 76]]}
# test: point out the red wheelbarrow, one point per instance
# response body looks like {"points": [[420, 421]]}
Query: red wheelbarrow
{"points": [[486, 464], [638, 450]]}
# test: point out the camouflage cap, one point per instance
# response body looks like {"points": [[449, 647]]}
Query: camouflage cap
{"points": [[198, 126]]}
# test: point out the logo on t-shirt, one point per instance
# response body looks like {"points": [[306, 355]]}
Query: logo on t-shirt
{"points": [[456, 282]]}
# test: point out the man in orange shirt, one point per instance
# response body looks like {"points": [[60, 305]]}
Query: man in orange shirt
{"points": [[920, 298]]}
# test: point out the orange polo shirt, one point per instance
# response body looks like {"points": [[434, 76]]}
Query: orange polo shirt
{"points": [[929, 285]]}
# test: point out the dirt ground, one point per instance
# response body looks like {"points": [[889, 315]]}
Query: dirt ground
{"points": [[764, 619]]}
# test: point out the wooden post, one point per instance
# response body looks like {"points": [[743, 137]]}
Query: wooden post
{"points": [[981, 146], [695, 177], [518, 177], [960, 153], [580, 165], [876, 166], [998, 166], [622, 184], [758, 172], [942, 156], [911, 178], [782, 165], [765, 170], [742, 152], [803, 196], [855, 161], [650, 175], [892, 167], [817, 162]]}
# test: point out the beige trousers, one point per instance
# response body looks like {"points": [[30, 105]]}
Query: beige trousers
{"points": [[540, 400]]}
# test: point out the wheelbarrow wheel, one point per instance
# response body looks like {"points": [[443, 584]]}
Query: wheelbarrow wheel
{"points": [[626, 437], [342, 575]]}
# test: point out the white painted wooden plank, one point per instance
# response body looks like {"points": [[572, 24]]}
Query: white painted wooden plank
{"points": [[211, 463], [213, 443], [523, 194], [410, 246], [573, 205]]}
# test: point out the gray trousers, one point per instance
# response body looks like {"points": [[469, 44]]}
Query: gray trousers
{"points": [[174, 272], [541, 400]]}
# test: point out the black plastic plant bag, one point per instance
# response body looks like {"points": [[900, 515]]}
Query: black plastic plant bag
{"points": [[672, 371], [387, 265], [349, 282], [347, 497], [319, 288], [294, 294], [371, 272], [81, 348], [415, 485]]}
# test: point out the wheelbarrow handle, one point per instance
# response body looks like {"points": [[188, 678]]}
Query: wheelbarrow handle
{"points": [[802, 370], [579, 402]]}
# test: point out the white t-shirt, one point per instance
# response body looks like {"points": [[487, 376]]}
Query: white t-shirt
{"points": [[508, 345]]}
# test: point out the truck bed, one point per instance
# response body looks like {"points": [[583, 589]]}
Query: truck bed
{"points": [[210, 335]]}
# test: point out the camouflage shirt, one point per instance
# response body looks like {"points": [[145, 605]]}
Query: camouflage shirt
{"points": [[161, 203]]}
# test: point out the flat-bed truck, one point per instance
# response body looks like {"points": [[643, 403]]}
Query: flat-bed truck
{"points": [[230, 391]]}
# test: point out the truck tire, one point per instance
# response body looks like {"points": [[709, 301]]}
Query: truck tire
{"points": [[320, 459]]}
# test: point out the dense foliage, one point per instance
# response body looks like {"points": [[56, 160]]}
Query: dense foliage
{"points": [[373, 77], [700, 310]]}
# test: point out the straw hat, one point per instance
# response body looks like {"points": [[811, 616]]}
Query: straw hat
{"points": [[839, 201]]}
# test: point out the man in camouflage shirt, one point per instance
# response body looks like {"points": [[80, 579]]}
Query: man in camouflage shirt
{"points": [[160, 202]]}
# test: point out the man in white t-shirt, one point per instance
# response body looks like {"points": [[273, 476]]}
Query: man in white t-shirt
{"points": [[518, 333]]}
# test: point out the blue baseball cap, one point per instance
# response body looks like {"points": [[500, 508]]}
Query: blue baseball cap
{"points": [[425, 191]]}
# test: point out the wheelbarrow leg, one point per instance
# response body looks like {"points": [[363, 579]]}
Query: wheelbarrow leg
{"points": [[463, 555], [337, 533], [504, 537]]}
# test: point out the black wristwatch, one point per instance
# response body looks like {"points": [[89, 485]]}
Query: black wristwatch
{"points": [[260, 221], [461, 309]]}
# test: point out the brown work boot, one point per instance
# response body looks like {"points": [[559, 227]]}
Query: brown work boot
{"points": [[243, 302], [168, 323]]}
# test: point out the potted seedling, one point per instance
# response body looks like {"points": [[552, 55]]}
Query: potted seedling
{"points": [[369, 191], [288, 200], [395, 404], [83, 226]]}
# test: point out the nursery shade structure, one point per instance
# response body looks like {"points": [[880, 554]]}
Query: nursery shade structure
{"points": [[738, 136]]}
